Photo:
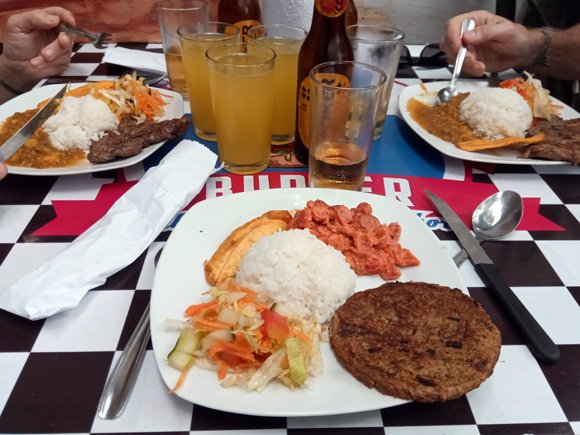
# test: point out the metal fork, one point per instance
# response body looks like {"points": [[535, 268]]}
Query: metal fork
{"points": [[122, 379], [99, 40]]}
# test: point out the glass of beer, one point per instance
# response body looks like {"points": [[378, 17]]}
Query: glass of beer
{"points": [[241, 79], [286, 42], [380, 46], [195, 40], [344, 100], [171, 14]]}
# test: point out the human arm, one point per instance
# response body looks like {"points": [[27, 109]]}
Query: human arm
{"points": [[497, 44], [3, 170], [33, 49]]}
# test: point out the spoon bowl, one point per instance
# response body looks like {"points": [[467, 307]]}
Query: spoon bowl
{"points": [[446, 94], [494, 218], [498, 215]]}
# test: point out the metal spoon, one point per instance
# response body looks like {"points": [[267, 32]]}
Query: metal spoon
{"points": [[445, 94], [496, 217]]}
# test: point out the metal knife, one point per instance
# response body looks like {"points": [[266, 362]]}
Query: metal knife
{"points": [[540, 344], [11, 145]]}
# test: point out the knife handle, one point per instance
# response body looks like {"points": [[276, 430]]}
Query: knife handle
{"points": [[538, 341]]}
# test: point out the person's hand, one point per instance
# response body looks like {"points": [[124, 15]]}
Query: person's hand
{"points": [[496, 44], [34, 48], [3, 170]]}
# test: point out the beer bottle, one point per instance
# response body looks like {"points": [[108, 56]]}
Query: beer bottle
{"points": [[326, 41], [351, 14], [244, 14]]}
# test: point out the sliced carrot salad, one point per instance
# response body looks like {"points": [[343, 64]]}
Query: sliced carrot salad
{"points": [[239, 334]]}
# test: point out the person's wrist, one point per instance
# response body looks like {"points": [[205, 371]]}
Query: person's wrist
{"points": [[539, 43], [13, 77]]}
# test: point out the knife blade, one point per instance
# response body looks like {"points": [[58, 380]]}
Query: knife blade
{"points": [[17, 140], [539, 343]]}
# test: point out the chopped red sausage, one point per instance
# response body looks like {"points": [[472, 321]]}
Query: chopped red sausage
{"points": [[369, 246]]}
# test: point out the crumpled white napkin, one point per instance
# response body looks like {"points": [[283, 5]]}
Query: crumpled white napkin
{"points": [[117, 239], [136, 59]]}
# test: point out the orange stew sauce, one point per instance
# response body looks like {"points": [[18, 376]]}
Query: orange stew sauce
{"points": [[37, 152], [442, 121]]}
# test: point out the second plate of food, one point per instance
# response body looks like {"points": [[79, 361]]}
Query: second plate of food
{"points": [[29, 100], [426, 93]]}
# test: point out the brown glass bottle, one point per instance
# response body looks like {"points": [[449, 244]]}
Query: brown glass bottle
{"points": [[351, 14], [244, 14], [326, 41]]}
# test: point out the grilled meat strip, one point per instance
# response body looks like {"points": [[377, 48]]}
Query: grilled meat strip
{"points": [[561, 141], [131, 138]]}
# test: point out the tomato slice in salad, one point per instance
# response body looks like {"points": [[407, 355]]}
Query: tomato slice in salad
{"points": [[275, 325]]}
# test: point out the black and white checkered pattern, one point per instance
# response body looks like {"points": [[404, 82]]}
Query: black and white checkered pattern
{"points": [[52, 371]]}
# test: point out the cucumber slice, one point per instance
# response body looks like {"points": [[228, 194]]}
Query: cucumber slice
{"points": [[296, 349], [188, 342], [180, 360]]}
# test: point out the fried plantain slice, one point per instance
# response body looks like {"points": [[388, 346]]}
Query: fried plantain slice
{"points": [[484, 144], [225, 262]]}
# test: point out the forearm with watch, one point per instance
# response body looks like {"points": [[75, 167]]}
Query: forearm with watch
{"points": [[556, 53]]}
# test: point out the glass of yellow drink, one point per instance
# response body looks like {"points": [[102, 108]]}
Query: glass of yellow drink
{"points": [[195, 41], [344, 100], [286, 42], [241, 80], [170, 15]]}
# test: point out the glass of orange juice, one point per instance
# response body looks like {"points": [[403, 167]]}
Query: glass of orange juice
{"points": [[286, 42], [170, 15], [241, 79], [195, 40]]}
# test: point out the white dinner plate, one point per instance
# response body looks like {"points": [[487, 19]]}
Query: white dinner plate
{"points": [[180, 281], [503, 155], [29, 100]]}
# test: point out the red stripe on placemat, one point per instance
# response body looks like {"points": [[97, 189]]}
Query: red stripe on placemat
{"points": [[76, 216]]}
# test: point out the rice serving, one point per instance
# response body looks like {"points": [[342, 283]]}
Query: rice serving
{"points": [[495, 113], [302, 274], [78, 122]]}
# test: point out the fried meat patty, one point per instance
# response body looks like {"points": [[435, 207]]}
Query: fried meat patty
{"points": [[416, 341]]}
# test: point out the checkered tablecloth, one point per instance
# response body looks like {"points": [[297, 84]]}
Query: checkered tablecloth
{"points": [[52, 371]]}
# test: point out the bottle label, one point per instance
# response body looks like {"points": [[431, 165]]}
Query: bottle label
{"points": [[244, 26], [304, 93], [331, 8]]}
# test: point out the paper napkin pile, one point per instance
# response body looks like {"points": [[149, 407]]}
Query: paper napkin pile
{"points": [[117, 239], [136, 59]]}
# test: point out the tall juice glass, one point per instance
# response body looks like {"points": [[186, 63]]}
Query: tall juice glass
{"points": [[286, 42], [196, 39], [170, 15], [242, 91]]}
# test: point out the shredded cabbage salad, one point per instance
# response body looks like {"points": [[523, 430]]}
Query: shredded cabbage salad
{"points": [[127, 95], [239, 334], [532, 91]]}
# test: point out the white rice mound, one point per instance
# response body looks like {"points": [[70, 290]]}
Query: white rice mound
{"points": [[495, 113], [80, 121], [304, 276]]}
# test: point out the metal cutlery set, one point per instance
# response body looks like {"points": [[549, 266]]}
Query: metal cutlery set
{"points": [[540, 344]]}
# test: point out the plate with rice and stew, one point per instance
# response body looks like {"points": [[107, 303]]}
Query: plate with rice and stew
{"points": [[517, 123], [305, 302], [98, 126]]}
